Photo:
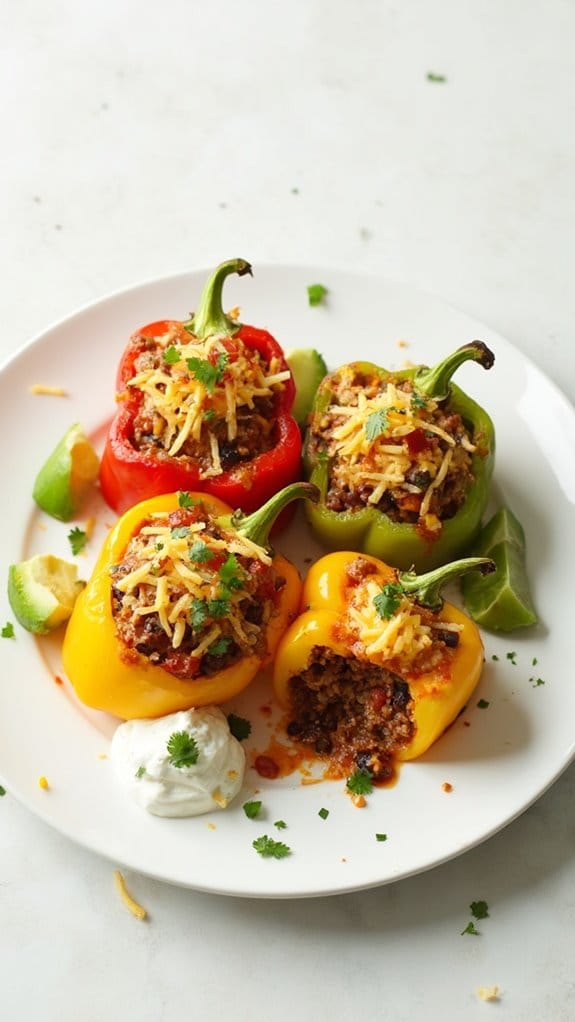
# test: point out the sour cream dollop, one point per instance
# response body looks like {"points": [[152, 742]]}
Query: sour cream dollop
{"points": [[142, 762]]}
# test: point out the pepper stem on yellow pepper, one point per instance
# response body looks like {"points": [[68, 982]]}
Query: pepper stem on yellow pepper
{"points": [[435, 382], [210, 318], [426, 588], [258, 524]]}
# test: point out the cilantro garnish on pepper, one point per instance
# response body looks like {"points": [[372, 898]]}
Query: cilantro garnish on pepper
{"points": [[387, 601], [206, 372]]}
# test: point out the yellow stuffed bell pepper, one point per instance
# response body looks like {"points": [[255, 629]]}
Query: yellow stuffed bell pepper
{"points": [[377, 665], [185, 604]]}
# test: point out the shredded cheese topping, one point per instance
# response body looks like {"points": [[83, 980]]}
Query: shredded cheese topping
{"points": [[406, 638], [165, 580], [369, 442], [179, 396]]}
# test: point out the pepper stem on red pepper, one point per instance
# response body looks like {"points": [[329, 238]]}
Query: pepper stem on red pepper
{"points": [[435, 382], [426, 588], [257, 526], [210, 319]]}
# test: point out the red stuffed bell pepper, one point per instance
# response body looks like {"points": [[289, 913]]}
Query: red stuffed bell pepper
{"points": [[204, 406]]}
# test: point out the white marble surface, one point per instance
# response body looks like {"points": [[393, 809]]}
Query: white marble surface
{"points": [[144, 139]]}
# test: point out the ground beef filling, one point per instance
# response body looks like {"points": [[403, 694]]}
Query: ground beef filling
{"points": [[256, 430], [143, 635], [402, 501], [351, 711]]}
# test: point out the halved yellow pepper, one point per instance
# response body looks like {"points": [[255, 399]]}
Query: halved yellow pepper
{"points": [[92, 650], [437, 697]]}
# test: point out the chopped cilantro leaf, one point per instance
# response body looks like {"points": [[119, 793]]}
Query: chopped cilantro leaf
{"points": [[494, 656], [387, 601], [479, 909], [418, 400], [219, 608], [536, 682], [316, 293], [471, 928], [140, 771], [77, 539], [206, 372], [172, 355], [359, 783], [229, 573], [2, 791], [198, 614], [239, 727], [7, 630], [252, 809], [180, 532], [219, 646], [433, 77], [324, 813], [182, 749], [185, 499], [381, 837], [280, 824], [483, 704], [270, 849], [512, 657], [209, 414], [534, 661], [200, 553], [376, 424]]}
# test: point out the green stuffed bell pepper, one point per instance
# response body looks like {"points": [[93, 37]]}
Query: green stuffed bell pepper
{"points": [[403, 461]]}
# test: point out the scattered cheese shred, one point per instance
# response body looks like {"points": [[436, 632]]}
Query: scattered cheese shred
{"points": [[43, 388], [137, 910], [43, 782], [488, 993]]}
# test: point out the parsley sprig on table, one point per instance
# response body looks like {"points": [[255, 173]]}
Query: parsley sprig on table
{"points": [[182, 749], [77, 539], [7, 630], [270, 849], [252, 809], [316, 293]]}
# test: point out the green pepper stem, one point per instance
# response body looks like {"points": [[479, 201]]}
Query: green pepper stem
{"points": [[210, 318], [435, 381], [257, 526], [426, 588]]}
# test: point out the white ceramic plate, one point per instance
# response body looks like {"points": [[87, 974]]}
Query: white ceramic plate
{"points": [[498, 759]]}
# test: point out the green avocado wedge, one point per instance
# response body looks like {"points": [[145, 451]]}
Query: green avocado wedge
{"points": [[308, 369], [502, 602], [42, 592]]}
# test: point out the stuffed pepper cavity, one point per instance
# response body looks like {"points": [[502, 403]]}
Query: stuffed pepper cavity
{"points": [[377, 665], [184, 606], [204, 405], [402, 460]]}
